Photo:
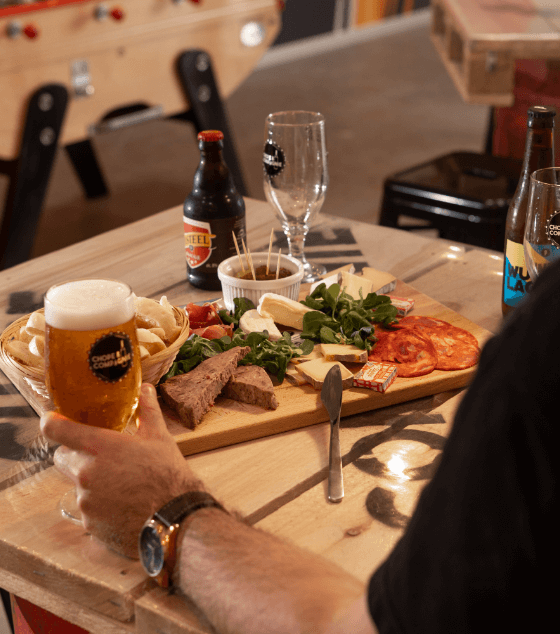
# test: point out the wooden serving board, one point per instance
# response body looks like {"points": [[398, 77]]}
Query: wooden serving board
{"points": [[230, 422]]}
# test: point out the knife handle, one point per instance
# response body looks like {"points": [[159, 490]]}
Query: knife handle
{"points": [[335, 484]]}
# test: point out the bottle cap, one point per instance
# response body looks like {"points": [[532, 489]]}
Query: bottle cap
{"points": [[210, 135], [543, 114]]}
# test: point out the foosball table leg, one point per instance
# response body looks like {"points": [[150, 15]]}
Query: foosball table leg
{"points": [[207, 110], [29, 173], [82, 156]]}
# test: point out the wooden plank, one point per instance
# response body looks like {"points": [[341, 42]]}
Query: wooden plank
{"points": [[68, 610], [230, 422], [382, 485]]}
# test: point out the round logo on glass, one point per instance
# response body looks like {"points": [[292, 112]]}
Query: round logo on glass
{"points": [[273, 159], [553, 229], [110, 357]]}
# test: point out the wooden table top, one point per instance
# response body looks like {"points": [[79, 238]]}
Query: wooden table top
{"points": [[279, 482]]}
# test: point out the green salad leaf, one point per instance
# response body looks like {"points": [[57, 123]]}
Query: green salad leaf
{"points": [[273, 356], [339, 318]]}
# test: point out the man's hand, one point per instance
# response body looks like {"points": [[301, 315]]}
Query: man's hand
{"points": [[121, 480]]}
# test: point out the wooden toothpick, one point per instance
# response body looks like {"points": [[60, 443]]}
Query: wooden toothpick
{"points": [[238, 254], [248, 258], [278, 264], [269, 250]]}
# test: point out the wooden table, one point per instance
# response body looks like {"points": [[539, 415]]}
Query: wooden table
{"points": [[479, 42], [278, 483]]}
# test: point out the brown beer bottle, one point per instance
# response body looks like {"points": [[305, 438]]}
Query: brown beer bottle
{"points": [[212, 212], [539, 153]]}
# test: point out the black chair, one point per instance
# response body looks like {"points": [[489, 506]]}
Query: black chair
{"points": [[463, 195]]}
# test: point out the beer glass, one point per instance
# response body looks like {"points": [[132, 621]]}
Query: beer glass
{"points": [[92, 364], [296, 177], [541, 243]]}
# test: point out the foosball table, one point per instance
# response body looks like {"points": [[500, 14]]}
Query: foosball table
{"points": [[71, 69]]}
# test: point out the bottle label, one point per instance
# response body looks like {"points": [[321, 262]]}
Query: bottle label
{"points": [[516, 278], [207, 244], [198, 242]]}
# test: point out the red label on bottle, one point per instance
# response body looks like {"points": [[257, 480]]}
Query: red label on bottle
{"points": [[198, 242]]}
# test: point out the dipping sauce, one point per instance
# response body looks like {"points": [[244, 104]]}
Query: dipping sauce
{"points": [[261, 275]]}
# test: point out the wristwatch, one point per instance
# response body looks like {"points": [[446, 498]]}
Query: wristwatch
{"points": [[157, 541]]}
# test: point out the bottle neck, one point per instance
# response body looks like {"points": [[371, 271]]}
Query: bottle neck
{"points": [[539, 150], [212, 173]]}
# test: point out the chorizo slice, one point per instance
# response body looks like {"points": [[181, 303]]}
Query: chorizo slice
{"points": [[414, 354], [456, 347]]}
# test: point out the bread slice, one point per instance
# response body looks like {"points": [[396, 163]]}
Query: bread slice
{"points": [[192, 394]]}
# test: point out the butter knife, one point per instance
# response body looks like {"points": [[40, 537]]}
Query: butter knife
{"points": [[331, 395]]}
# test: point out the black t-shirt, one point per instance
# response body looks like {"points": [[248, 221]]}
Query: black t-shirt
{"points": [[480, 553]]}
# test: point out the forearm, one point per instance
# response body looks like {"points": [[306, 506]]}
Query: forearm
{"points": [[247, 581]]}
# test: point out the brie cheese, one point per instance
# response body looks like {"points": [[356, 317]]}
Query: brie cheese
{"points": [[282, 310], [251, 321]]}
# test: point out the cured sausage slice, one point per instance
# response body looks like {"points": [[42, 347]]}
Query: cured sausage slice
{"points": [[414, 353], [456, 347]]}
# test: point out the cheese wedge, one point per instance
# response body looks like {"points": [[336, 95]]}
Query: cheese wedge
{"points": [[282, 310], [381, 282], [353, 284], [316, 371], [343, 352], [314, 354], [251, 321], [294, 377]]}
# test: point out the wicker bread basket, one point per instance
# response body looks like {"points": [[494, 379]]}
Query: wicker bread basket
{"points": [[153, 367]]}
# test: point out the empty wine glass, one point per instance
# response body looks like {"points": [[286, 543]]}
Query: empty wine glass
{"points": [[296, 177], [541, 243]]}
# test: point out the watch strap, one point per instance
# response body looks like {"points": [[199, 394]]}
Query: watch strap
{"points": [[175, 511]]}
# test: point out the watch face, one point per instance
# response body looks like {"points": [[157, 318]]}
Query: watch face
{"points": [[151, 551]]}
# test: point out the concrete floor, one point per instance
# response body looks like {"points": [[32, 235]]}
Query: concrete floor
{"points": [[389, 104]]}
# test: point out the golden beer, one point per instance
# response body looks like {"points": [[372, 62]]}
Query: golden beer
{"points": [[92, 364]]}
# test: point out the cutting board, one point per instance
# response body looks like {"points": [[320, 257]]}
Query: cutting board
{"points": [[229, 422]]}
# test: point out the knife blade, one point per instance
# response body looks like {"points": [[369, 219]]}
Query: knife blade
{"points": [[331, 396]]}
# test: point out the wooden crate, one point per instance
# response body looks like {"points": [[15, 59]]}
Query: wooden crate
{"points": [[479, 42]]}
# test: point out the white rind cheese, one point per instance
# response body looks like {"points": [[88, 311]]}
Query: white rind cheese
{"points": [[282, 310], [344, 353], [251, 321], [381, 282], [316, 371]]}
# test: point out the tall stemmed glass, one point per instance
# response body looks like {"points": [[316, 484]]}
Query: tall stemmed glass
{"points": [[296, 177], [541, 243], [92, 364]]}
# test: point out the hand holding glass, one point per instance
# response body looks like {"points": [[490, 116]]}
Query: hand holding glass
{"points": [[296, 177], [541, 243], [92, 363]]}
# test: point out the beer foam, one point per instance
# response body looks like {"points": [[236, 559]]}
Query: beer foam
{"points": [[88, 305]]}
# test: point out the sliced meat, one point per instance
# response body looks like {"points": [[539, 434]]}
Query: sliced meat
{"points": [[414, 354], [192, 394], [456, 347], [420, 321], [251, 384]]}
